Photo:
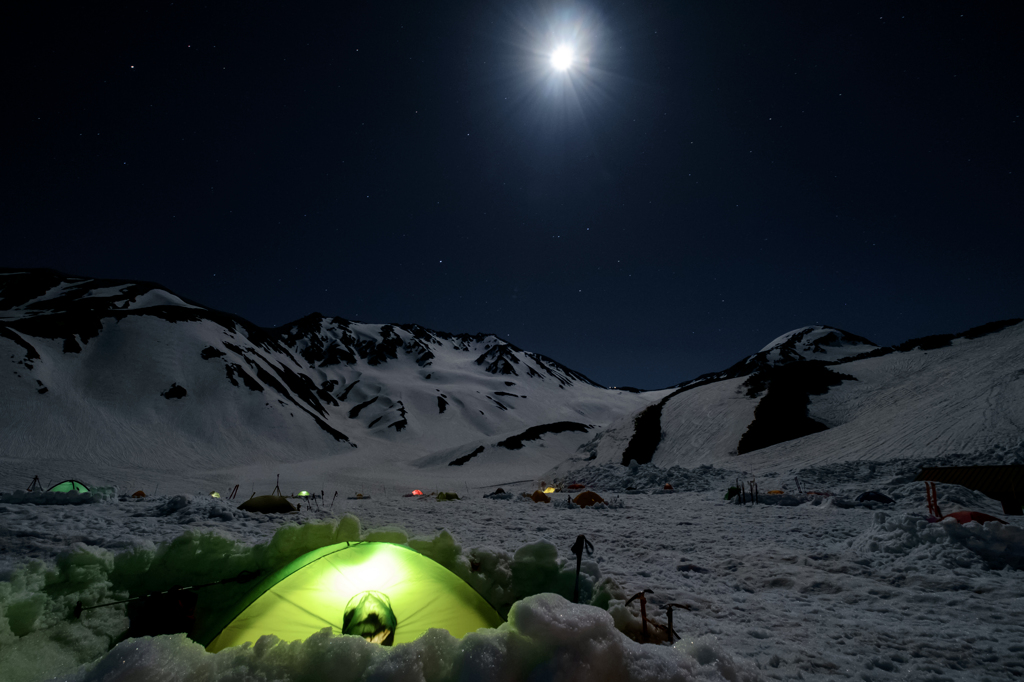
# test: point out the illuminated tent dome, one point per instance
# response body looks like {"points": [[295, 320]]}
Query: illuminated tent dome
{"points": [[69, 486], [383, 592]]}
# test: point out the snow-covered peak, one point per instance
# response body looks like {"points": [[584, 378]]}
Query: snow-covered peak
{"points": [[813, 343]]}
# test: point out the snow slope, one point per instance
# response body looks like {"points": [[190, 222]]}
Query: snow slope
{"points": [[967, 396], [115, 381]]}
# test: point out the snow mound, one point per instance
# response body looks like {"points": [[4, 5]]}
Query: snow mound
{"points": [[547, 637], [49, 497], [910, 539], [649, 477]]}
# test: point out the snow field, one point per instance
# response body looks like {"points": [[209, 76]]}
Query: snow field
{"points": [[771, 592]]}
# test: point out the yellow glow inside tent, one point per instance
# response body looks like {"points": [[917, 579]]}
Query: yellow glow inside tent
{"points": [[311, 593], [549, 489], [215, 494], [304, 494]]}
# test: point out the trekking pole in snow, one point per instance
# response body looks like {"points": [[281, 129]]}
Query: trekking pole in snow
{"points": [[933, 499], [671, 631], [333, 499], [277, 488], [643, 607], [581, 544]]}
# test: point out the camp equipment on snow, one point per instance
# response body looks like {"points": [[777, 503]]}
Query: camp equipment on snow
{"points": [[963, 517], [35, 482], [874, 496], [68, 486], [445, 497], [776, 492], [587, 498], [303, 493], [539, 496], [933, 500], [416, 493], [359, 496], [671, 630], [668, 486], [549, 490], [267, 504], [138, 493], [215, 494], [576, 486], [1000, 482], [359, 588], [643, 607], [577, 548]]}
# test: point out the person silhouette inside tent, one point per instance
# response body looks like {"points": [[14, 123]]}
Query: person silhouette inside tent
{"points": [[369, 615]]}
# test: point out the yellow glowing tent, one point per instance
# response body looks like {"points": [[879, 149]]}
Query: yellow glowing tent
{"points": [[383, 592]]}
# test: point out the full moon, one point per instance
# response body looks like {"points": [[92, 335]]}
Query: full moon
{"points": [[561, 59]]}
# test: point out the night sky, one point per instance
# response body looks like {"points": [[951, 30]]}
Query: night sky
{"points": [[704, 177]]}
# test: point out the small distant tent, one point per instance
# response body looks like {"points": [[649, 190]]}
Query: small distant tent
{"points": [[1004, 483], [138, 493], [874, 496], [268, 504], [383, 592], [963, 517], [68, 486], [587, 498], [539, 496]]}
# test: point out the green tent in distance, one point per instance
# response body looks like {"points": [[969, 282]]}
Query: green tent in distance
{"points": [[382, 592], [69, 486]]}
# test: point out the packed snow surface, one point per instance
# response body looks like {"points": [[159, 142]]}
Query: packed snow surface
{"points": [[827, 588]]}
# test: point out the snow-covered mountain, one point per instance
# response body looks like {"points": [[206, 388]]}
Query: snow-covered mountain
{"points": [[821, 394], [107, 377]]}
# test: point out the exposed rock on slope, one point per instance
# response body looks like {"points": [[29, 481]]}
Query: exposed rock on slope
{"points": [[93, 361]]}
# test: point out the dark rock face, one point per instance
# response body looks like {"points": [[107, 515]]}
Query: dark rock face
{"points": [[782, 413], [535, 432], [175, 392], [646, 435], [211, 352], [465, 458]]}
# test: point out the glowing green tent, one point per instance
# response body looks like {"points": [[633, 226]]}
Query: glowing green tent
{"points": [[383, 592], [68, 486]]}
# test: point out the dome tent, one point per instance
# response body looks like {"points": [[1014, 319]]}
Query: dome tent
{"points": [[381, 591], [68, 486]]}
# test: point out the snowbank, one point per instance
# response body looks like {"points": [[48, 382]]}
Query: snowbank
{"points": [[49, 497], [546, 637], [41, 637], [910, 539]]}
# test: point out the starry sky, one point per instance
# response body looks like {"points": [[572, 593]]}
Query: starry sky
{"points": [[703, 178]]}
